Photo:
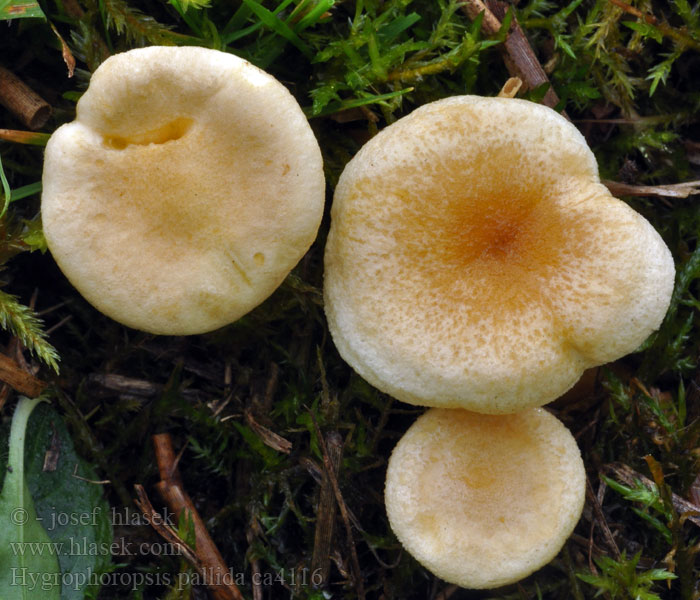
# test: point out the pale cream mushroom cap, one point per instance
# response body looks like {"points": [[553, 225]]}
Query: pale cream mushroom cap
{"points": [[186, 189], [484, 500], [475, 260]]}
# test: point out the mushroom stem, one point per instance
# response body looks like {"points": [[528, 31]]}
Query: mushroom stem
{"points": [[22, 101]]}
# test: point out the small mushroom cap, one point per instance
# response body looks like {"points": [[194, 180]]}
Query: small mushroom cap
{"points": [[484, 500], [186, 189], [475, 260]]}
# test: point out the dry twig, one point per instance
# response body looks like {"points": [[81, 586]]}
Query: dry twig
{"points": [[519, 57], [125, 385], [16, 377], [256, 579], [164, 529], [511, 88], [325, 515], [215, 571], [268, 437], [24, 137], [22, 101], [330, 472], [601, 521], [673, 190]]}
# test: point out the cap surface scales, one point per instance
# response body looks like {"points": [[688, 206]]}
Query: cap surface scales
{"points": [[484, 500], [475, 260], [188, 186]]}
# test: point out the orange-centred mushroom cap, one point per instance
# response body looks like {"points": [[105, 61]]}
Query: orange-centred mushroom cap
{"points": [[475, 260], [484, 500], [186, 189]]}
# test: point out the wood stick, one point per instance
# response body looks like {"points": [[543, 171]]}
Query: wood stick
{"points": [[672, 190], [125, 385], [166, 459], [268, 437], [216, 574], [219, 581], [511, 88], [22, 101], [24, 137], [522, 56], [330, 472], [164, 529], [519, 58], [490, 24], [254, 563], [23, 382], [325, 515]]}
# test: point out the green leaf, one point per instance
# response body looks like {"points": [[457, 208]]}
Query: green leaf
{"points": [[269, 456], [314, 15], [134, 24], [645, 29], [23, 323], [6, 192], [28, 558], [25, 191], [229, 38], [33, 236], [690, 15], [356, 102], [389, 32], [649, 496], [185, 4], [656, 524], [659, 73], [73, 510], [560, 42], [502, 33], [475, 28], [659, 575], [323, 95], [278, 26], [623, 577], [564, 13], [20, 9], [536, 94]]}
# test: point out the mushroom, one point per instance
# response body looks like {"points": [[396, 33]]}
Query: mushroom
{"points": [[475, 260], [186, 189], [484, 500]]}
